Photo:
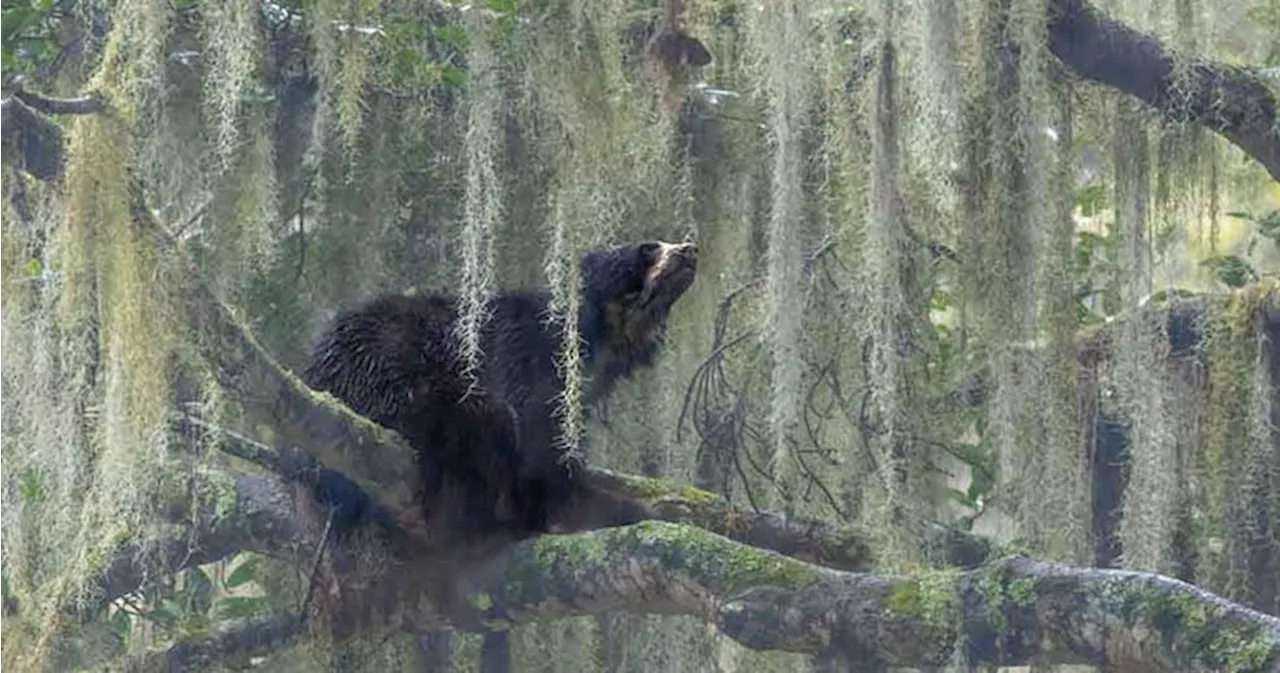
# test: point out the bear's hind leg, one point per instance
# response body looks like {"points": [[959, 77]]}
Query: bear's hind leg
{"points": [[479, 450]]}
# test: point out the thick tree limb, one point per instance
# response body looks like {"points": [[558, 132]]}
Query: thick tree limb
{"points": [[284, 411], [237, 639], [1227, 99], [811, 540], [835, 546], [258, 514], [1016, 612], [842, 547]]}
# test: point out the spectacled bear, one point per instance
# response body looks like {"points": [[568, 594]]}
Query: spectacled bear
{"points": [[485, 442]]}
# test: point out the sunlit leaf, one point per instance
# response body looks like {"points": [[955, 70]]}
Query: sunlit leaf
{"points": [[245, 572], [1091, 200], [453, 76], [1231, 270], [237, 607], [451, 34]]}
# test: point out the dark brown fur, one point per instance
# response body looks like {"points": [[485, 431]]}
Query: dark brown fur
{"points": [[486, 455]]}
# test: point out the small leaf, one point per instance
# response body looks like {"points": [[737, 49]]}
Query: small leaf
{"points": [[236, 607], [1091, 200], [1231, 270], [245, 572], [35, 268], [453, 76], [973, 455], [121, 622], [451, 34], [31, 485]]}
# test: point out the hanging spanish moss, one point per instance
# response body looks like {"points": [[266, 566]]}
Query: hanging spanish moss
{"points": [[102, 374], [356, 30], [934, 62], [1140, 353], [1050, 467], [1237, 465], [563, 272], [785, 84], [232, 51], [882, 254], [482, 202], [1000, 289]]}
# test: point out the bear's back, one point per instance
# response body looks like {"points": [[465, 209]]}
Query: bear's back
{"points": [[377, 356], [388, 357]]}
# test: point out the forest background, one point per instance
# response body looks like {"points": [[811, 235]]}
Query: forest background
{"points": [[981, 282]]}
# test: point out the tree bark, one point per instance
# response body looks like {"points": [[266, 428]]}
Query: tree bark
{"points": [[1230, 100], [1014, 612]]}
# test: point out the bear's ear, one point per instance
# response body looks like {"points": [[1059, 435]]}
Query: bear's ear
{"points": [[592, 265], [613, 272]]}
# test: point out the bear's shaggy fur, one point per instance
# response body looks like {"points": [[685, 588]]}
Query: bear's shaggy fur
{"points": [[486, 453]]}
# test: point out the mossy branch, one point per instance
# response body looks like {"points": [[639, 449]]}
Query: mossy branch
{"points": [[835, 546], [1012, 612], [284, 410], [236, 639], [238, 512], [1227, 99]]}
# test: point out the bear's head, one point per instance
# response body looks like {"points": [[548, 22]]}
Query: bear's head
{"points": [[627, 294]]}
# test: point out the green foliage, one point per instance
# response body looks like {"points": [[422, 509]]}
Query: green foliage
{"points": [[1095, 261], [983, 465], [178, 606], [247, 571], [26, 43], [1210, 640], [1268, 226], [188, 603], [1233, 271], [238, 607], [407, 45], [1092, 199]]}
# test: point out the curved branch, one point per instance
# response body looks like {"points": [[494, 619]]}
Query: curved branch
{"points": [[1224, 98], [259, 516], [235, 639], [1015, 612], [81, 105], [371, 458]]}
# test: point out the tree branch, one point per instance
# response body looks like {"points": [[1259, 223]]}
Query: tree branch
{"points": [[260, 516], [843, 547], [233, 640], [1224, 98], [279, 405], [1012, 612], [1015, 612]]}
